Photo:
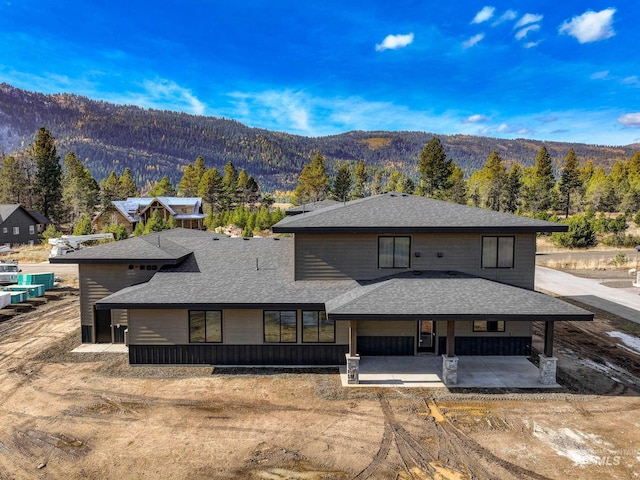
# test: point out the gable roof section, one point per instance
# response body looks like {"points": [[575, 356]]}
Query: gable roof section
{"points": [[311, 207], [39, 218], [437, 295], [6, 210], [162, 247], [402, 213]]}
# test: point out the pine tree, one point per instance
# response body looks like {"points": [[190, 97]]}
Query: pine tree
{"points": [[83, 225], [513, 188], [361, 177], [458, 188], [434, 168], [110, 190], [199, 167], [128, 187], [210, 187], [163, 188], [539, 191], [12, 181], [48, 177], [570, 180], [313, 182], [80, 191], [228, 197], [188, 185], [342, 182]]}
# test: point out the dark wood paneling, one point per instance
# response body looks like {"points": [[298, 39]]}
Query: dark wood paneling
{"points": [[238, 354], [87, 331], [118, 333], [520, 346], [388, 346]]}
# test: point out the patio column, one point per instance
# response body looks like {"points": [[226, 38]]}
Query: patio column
{"points": [[353, 360], [449, 360], [548, 363]]}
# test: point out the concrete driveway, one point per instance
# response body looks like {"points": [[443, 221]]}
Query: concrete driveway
{"points": [[619, 301]]}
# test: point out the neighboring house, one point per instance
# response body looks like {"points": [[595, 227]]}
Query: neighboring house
{"points": [[19, 226], [186, 211], [392, 274]]}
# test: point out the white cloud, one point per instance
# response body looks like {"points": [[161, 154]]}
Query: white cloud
{"points": [[291, 109], [532, 44], [520, 34], [477, 118], [590, 26], [472, 41], [483, 15], [630, 120], [166, 94], [393, 42], [527, 19], [506, 17], [600, 75], [506, 129], [632, 80]]}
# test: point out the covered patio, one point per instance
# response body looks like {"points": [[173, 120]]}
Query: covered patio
{"points": [[425, 371], [452, 297]]}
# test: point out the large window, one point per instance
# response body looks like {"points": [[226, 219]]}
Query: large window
{"points": [[205, 326], [488, 326], [497, 252], [394, 252], [317, 328], [32, 229], [16, 230], [280, 326]]}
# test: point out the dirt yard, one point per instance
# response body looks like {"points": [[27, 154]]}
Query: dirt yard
{"points": [[71, 415]]}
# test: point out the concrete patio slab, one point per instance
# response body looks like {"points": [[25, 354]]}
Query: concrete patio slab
{"points": [[101, 348], [426, 372]]}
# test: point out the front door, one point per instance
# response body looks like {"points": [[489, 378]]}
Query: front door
{"points": [[103, 325], [426, 336]]}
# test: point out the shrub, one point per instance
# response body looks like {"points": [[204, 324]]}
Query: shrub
{"points": [[581, 234]]}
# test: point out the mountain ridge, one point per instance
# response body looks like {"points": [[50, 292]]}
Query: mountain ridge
{"points": [[153, 143]]}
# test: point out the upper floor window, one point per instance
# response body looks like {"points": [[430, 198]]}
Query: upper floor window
{"points": [[32, 229], [205, 326], [393, 252], [488, 326], [498, 252], [16, 230], [280, 326], [5, 230], [317, 328]]}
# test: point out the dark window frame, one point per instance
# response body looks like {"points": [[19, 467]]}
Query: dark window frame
{"points": [[496, 264], [264, 326], [318, 325], [191, 340], [490, 326], [395, 237]]}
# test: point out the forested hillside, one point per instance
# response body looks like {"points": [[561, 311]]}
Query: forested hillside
{"points": [[153, 143]]}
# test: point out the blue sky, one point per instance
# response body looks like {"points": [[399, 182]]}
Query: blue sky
{"points": [[547, 70]]}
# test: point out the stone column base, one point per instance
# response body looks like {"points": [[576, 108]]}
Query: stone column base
{"points": [[353, 370], [449, 370], [547, 369]]}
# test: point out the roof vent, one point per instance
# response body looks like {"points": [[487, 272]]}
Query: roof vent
{"points": [[276, 238], [392, 194], [215, 239], [246, 238]]}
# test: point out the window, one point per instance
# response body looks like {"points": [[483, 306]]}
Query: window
{"points": [[497, 252], [317, 328], [280, 326], [5, 230], [32, 229], [393, 252], [16, 230], [205, 326], [488, 326]]}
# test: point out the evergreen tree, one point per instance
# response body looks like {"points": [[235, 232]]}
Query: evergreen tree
{"points": [[80, 191], [210, 187], [12, 181], [313, 181], [163, 188], [188, 185], [83, 225], [242, 189], [48, 177], [539, 191], [110, 190], [376, 184], [394, 184], [342, 183], [228, 197], [458, 188], [569, 180], [361, 177], [513, 188], [434, 168], [199, 167], [127, 187], [156, 223]]}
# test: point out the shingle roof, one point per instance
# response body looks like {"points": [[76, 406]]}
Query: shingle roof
{"points": [[311, 207], [396, 212], [39, 218], [164, 247], [436, 295], [6, 210], [231, 272]]}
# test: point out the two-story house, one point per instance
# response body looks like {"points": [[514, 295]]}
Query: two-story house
{"points": [[185, 211], [392, 274], [19, 226]]}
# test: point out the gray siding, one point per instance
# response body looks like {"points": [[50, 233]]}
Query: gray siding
{"points": [[99, 281], [333, 256], [23, 221], [239, 327], [512, 329]]}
